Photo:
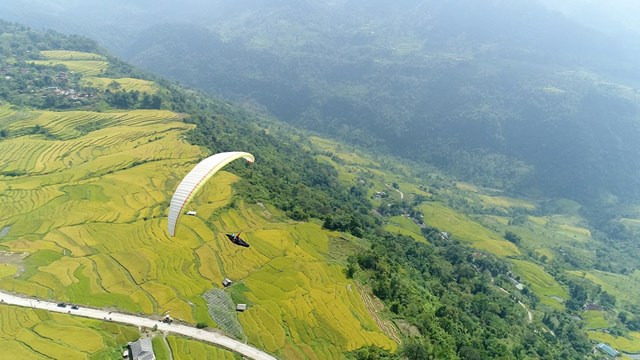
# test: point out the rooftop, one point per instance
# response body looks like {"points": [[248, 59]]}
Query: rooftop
{"points": [[607, 349], [142, 349]]}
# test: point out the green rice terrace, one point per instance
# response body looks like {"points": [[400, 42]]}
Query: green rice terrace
{"points": [[84, 200], [36, 334]]}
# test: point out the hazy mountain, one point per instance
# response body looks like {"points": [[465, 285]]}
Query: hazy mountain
{"points": [[510, 94], [615, 18]]}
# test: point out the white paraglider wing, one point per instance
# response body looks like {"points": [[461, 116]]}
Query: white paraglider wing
{"points": [[194, 180]]}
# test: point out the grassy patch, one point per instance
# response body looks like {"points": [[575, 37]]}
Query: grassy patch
{"points": [[161, 348], [7, 270]]}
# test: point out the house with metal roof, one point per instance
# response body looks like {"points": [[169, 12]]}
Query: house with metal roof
{"points": [[141, 349], [607, 350]]}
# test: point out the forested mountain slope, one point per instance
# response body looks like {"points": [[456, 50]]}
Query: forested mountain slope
{"points": [[523, 100]]}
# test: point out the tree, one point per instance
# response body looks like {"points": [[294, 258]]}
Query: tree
{"points": [[512, 237], [607, 300]]}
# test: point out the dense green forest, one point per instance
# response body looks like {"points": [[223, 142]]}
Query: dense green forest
{"points": [[448, 294]]}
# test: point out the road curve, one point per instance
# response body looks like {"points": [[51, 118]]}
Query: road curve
{"points": [[199, 334]]}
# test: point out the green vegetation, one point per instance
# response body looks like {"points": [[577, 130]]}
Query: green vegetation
{"points": [[439, 277]]}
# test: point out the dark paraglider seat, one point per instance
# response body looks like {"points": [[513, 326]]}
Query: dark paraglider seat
{"points": [[235, 238]]}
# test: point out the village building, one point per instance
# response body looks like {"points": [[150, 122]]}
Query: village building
{"points": [[241, 307], [141, 349], [226, 282], [604, 348], [516, 283], [592, 306]]}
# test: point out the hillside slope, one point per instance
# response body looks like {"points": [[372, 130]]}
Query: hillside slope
{"points": [[84, 197]]}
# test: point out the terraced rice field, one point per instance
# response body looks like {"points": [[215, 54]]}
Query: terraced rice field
{"points": [[71, 55], [126, 84], [594, 319], [38, 334], [626, 288], [88, 203], [185, 349], [465, 229], [506, 202], [541, 283], [405, 226], [84, 67], [545, 234], [91, 66], [629, 344]]}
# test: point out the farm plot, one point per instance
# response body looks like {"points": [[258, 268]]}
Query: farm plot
{"points": [[629, 343], [125, 84], [71, 55], [506, 202], [626, 288], [299, 305], [185, 349], [405, 226], [594, 319], [84, 67], [38, 334], [465, 229], [222, 310], [541, 283]]}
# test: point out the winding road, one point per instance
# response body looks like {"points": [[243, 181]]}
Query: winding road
{"points": [[192, 332]]}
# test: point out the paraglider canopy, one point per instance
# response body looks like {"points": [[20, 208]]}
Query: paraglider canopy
{"points": [[195, 179]]}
